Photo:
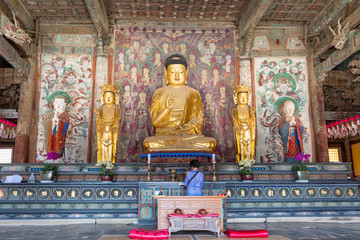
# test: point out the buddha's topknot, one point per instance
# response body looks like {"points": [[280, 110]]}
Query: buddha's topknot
{"points": [[175, 59]]}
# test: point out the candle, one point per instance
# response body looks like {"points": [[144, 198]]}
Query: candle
{"points": [[149, 158], [213, 157]]}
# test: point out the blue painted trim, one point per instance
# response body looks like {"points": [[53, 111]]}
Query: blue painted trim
{"points": [[170, 154]]}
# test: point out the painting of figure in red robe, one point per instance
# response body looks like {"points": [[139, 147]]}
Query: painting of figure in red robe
{"points": [[291, 132]]}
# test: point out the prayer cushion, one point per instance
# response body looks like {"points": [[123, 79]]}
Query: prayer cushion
{"points": [[260, 233], [193, 215], [149, 234]]}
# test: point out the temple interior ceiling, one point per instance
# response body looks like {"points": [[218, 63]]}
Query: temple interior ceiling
{"points": [[295, 10], [58, 11], [70, 11], [342, 86]]}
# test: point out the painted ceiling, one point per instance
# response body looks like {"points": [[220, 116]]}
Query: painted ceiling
{"points": [[75, 11]]}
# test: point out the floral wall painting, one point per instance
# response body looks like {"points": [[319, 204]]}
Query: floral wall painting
{"points": [[67, 71], [282, 108], [261, 43], [140, 53], [294, 43]]}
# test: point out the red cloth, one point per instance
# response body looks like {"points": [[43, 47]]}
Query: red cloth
{"points": [[259, 233], [192, 215], [149, 234]]}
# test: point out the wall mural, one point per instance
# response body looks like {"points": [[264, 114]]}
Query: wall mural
{"points": [[66, 69], [282, 109], [138, 72]]}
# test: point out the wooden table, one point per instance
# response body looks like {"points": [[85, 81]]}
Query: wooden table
{"points": [[193, 223], [189, 205]]}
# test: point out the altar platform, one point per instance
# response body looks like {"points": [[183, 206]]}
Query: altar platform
{"points": [[78, 192]]}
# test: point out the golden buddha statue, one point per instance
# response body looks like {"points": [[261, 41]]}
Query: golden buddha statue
{"points": [[108, 118], [244, 124], [176, 113]]}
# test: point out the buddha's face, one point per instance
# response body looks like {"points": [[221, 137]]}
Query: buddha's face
{"points": [[142, 97], [242, 98], [289, 108], [216, 73], [109, 98], [176, 75], [59, 104], [183, 47], [121, 57], [204, 74], [71, 80], [165, 47], [146, 72]]}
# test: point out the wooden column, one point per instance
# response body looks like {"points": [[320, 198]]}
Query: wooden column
{"points": [[320, 140], [101, 78], [347, 150], [25, 116]]}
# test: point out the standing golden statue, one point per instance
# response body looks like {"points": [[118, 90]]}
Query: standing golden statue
{"points": [[176, 113], [108, 118], [244, 124]]}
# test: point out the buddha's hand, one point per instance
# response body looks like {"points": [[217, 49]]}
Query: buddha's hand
{"points": [[170, 101], [292, 120]]}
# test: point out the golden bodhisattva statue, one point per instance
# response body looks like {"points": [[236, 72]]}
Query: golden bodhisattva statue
{"points": [[176, 113], [108, 124], [244, 124]]}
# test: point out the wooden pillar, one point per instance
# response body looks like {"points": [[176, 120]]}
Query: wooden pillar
{"points": [[101, 78], [25, 116], [347, 150], [320, 140]]}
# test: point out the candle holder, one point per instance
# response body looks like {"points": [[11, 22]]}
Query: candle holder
{"points": [[214, 177], [148, 178]]}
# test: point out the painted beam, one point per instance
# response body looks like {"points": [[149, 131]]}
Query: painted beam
{"points": [[255, 10], [335, 116], [325, 44], [351, 46], [21, 13], [8, 113], [98, 15], [9, 54], [332, 10]]}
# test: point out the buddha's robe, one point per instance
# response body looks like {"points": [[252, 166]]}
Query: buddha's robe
{"points": [[181, 128], [56, 136]]}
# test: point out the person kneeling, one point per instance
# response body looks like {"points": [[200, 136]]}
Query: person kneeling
{"points": [[194, 180]]}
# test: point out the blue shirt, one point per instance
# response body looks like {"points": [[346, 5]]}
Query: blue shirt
{"points": [[194, 188]]}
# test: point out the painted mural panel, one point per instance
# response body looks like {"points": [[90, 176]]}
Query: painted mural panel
{"points": [[66, 69], [282, 107], [140, 53]]}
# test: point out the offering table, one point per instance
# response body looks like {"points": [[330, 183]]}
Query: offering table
{"points": [[190, 205]]}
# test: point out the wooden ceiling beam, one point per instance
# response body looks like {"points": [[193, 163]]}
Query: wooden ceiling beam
{"points": [[351, 46], [324, 45], [21, 13], [253, 13], [333, 116], [330, 12], [98, 15]]}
